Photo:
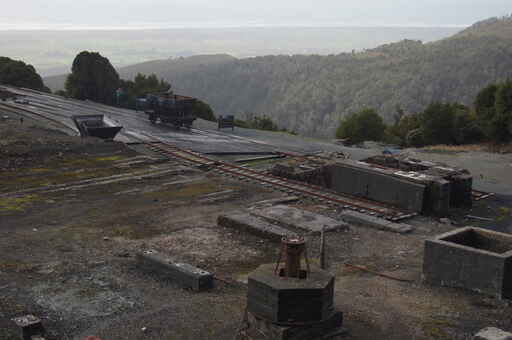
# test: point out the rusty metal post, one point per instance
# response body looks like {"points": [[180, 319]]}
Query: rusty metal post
{"points": [[322, 249], [293, 248]]}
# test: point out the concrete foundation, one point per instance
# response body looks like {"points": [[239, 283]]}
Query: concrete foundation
{"points": [[374, 222], [298, 219], [248, 223], [358, 179], [328, 329], [461, 181], [290, 300], [472, 258], [182, 273]]}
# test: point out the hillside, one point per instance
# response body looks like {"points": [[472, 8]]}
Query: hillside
{"points": [[310, 93]]}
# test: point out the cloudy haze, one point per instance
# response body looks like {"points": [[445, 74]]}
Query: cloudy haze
{"points": [[211, 13]]}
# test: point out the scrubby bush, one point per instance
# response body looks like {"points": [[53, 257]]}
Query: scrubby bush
{"points": [[362, 126]]}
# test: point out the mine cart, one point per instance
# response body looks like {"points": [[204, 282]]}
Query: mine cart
{"points": [[170, 108], [226, 122], [95, 126]]}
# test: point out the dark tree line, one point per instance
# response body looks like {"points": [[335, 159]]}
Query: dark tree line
{"points": [[94, 78], [489, 120], [19, 74], [310, 93]]}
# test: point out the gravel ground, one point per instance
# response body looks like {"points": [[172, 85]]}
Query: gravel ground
{"points": [[68, 256]]}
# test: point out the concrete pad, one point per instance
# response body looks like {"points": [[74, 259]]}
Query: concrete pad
{"points": [[492, 333], [374, 222], [253, 225], [298, 219]]}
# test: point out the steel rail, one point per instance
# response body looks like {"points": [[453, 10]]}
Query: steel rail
{"points": [[190, 156]]}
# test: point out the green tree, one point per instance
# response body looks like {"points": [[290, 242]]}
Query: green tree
{"points": [[92, 77], [493, 107], [362, 126], [467, 129], [485, 108], [17, 73], [437, 123], [139, 87], [204, 111], [502, 122]]}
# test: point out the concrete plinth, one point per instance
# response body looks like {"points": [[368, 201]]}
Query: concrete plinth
{"points": [[328, 329], [476, 259], [287, 300]]}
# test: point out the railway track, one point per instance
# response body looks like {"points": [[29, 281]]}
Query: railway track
{"points": [[480, 195], [317, 193], [31, 113]]}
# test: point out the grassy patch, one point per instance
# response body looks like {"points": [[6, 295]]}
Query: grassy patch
{"points": [[9, 334], [436, 329], [16, 266], [109, 159], [15, 204], [135, 232], [44, 177], [503, 213], [185, 191]]}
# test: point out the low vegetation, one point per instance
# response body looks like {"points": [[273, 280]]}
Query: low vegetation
{"points": [[490, 120], [260, 123]]}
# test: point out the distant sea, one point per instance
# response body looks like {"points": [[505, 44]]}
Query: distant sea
{"points": [[30, 26], [51, 48]]}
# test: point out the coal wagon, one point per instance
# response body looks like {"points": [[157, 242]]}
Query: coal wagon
{"points": [[169, 108]]}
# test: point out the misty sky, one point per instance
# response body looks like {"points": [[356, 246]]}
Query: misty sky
{"points": [[201, 13]]}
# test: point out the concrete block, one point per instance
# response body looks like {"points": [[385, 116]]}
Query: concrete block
{"points": [[31, 326], [492, 333], [461, 189], [253, 225], [472, 258], [298, 219], [374, 222], [290, 300], [182, 273], [360, 179]]}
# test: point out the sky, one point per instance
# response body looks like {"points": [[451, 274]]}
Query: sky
{"points": [[69, 14]]}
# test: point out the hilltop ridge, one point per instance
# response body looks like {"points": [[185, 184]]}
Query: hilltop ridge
{"points": [[311, 93]]}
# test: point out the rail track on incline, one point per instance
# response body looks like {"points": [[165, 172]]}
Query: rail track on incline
{"points": [[264, 178], [53, 113]]}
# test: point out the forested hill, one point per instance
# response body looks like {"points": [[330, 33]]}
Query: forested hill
{"points": [[309, 94]]}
